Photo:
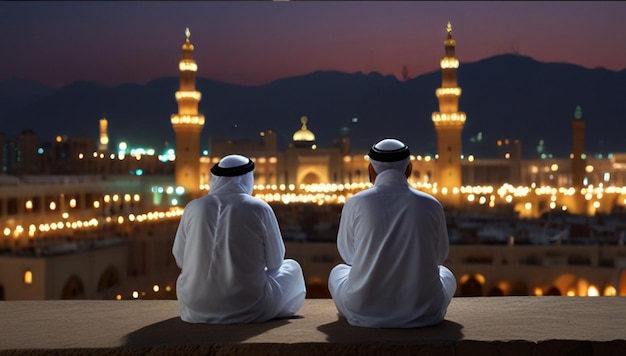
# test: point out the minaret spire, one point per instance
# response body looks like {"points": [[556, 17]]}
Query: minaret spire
{"points": [[579, 162], [188, 123], [103, 143], [449, 123]]}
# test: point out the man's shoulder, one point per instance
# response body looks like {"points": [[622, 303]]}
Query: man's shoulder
{"points": [[253, 201], [425, 196], [363, 194]]}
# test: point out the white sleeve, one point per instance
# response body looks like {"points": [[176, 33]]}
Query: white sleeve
{"points": [[178, 249], [274, 245], [443, 243], [345, 235]]}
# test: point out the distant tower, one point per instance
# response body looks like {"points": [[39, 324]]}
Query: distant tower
{"points": [[405, 73], [578, 149], [579, 159], [449, 123], [104, 135], [188, 123]]}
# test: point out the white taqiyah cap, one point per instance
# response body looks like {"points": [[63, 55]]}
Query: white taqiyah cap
{"points": [[233, 165], [389, 154]]}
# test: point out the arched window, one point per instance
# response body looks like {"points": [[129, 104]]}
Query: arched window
{"points": [[73, 289], [109, 278], [311, 178], [518, 288], [553, 291], [495, 292], [471, 288]]}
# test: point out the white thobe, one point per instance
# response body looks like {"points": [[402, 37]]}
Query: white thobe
{"points": [[394, 241], [231, 254]]}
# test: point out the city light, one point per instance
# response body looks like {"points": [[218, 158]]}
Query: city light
{"points": [[187, 119], [28, 277], [195, 95], [442, 118], [448, 62], [448, 91], [187, 65]]}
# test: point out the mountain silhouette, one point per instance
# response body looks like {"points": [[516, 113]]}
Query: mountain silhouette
{"points": [[505, 96]]}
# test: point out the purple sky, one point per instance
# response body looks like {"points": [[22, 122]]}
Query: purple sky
{"points": [[56, 43]]}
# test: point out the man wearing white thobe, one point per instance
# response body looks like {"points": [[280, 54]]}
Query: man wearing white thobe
{"points": [[394, 241], [231, 254]]}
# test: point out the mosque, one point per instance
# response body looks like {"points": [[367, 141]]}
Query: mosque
{"points": [[307, 173], [456, 180]]}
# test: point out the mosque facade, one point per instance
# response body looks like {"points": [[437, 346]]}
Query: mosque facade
{"points": [[448, 175], [301, 163]]}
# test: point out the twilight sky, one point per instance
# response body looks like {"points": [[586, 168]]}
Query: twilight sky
{"points": [[255, 42]]}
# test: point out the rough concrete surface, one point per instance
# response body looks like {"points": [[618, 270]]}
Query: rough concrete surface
{"points": [[483, 325]]}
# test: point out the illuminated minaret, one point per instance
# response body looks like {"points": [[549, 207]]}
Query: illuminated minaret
{"points": [[104, 135], [188, 123], [449, 124], [579, 160]]}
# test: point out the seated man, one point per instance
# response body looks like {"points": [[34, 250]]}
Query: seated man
{"points": [[394, 240], [231, 254]]}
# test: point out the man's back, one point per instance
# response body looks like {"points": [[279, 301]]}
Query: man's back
{"points": [[231, 254], [394, 241], [394, 237]]}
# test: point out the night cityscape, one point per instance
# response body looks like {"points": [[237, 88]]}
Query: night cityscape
{"points": [[89, 217]]}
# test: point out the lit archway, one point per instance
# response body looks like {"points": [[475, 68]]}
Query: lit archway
{"points": [[311, 178], [609, 291], [312, 172], [565, 282], [582, 287], [73, 289]]}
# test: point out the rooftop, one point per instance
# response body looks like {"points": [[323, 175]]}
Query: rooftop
{"points": [[488, 326]]}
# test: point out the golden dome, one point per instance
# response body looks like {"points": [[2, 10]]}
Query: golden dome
{"points": [[303, 134]]}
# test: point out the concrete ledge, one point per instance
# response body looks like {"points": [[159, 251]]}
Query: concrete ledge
{"points": [[486, 326]]}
